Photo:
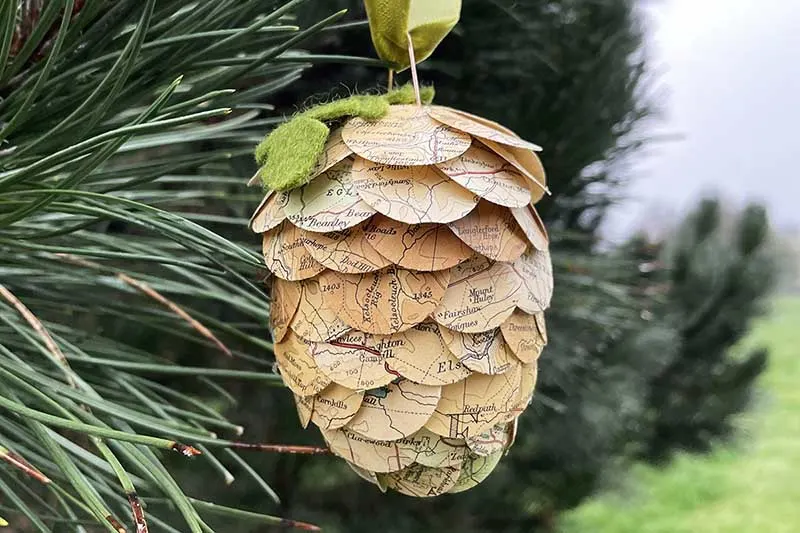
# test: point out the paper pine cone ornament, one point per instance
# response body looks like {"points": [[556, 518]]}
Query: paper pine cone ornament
{"points": [[411, 277]]}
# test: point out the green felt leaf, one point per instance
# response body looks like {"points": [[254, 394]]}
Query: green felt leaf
{"points": [[290, 152]]}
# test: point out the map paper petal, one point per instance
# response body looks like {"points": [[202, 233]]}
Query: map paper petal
{"points": [[480, 297], [475, 470], [471, 406], [335, 406], [269, 212], [423, 481], [535, 271], [297, 367], [390, 300], [317, 317], [285, 255], [526, 162], [375, 456], [347, 251], [405, 136], [329, 202], [285, 300], [412, 194], [488, 175], [521, 333], [436, 451], [528, 219], [484, 352], [334, 152], [396, 410], [425, 247], [493, 440], [355, 361], [491, 231], [464, 122]]}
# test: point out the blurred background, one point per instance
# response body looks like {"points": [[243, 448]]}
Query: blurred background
{"points": [[666, 398]]}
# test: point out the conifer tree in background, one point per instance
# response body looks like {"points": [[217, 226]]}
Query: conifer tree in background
{"points": [[717, 273]]}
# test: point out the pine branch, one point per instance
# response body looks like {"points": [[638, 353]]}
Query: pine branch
{"points": [[123, 125]]}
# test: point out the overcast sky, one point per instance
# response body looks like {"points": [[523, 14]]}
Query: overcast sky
{"points": [[732, 70]]}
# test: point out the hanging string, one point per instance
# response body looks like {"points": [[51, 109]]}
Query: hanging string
{"points": [[414, 79]]}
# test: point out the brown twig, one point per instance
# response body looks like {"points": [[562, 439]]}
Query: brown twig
{"points": [[152, 293], [116, 524], [40, 330], [282, 448], [285, 522], [18, 462], [138, 513]]}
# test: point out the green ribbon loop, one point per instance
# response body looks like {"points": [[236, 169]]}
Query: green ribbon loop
{"points": [[427, 21]]}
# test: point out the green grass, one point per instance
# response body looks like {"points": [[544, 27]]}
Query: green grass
{"points": [[755, 487]]}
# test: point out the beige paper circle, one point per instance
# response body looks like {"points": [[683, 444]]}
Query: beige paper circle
{"points": [[328, 203], [334, 152], [372, 455], [535, 271], [522, 336], [541, 326], [491, 231], [528, 376], [395, 411], [528, 219], [485, 121], [471, 406], [405, 136], [425, 247], [347, 251], [419, 354], [285, 300], [317, 317], [355, 361], [297, 367], [423, 481], [390, 300], [269, 212], [305, 406], [480, 297], [285, 255], [527, 163], [436, 451], [493, 440], [413, 195], [475, 470], [488, 175], [360, 360], [464, 122], [483, 352], [335, 406]]}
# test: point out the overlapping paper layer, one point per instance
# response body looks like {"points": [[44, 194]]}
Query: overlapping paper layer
{"points": [[411, 279]]}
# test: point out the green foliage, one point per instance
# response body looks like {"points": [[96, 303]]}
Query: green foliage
{"points": [[752, 487], [126, 125], [718, 272]]}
